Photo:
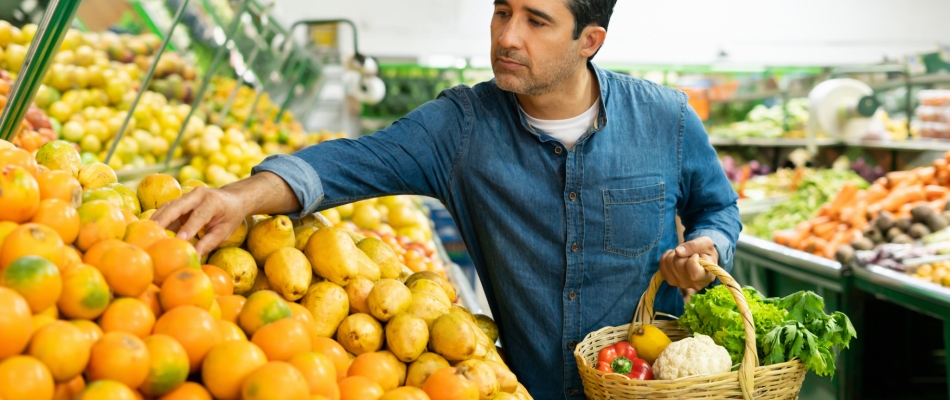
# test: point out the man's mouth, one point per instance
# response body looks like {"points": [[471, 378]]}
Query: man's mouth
{"points": [[508, 63]]}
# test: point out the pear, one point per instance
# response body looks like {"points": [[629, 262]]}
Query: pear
{"points": [[383, 255], [407, 336], [360, 333], [432, 288], [328, 304], [522, 393], [368, 269], [302, 235], [427, 307], [315, 220], [288, 272], [505, 396], [487, 325], [358, 291], [388, 298], [333, 255], [425, 365], [462, 311], [404, 274], [260, 283], [507, 381], [484, 378], [235, 240], [437, 278], [238, 263], [269, 235], [452, 337]]}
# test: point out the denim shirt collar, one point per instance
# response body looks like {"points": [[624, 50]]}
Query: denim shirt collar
{"points": [[599, 124]]}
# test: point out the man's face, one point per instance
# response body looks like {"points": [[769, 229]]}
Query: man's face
{"points": [[533, 47]]}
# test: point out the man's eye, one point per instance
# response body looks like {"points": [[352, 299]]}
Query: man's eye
{"points": [[536, 23], [501, 13]]}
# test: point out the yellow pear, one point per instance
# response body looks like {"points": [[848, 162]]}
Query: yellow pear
{"points": [[426, 306], [260, 283], [269, 235], [422, 367], [302, 235], [238, 263], [487, 326], [433, 288], [157, 189], [484, 378], [383, 255], [329, 305], [368, 269], [407, 336], [452, 337], [507, 381], [437, 278], [96, 175], [235, 240], [388, 298], [357, 291], [333, 255], [360, 333], [288, 272]]}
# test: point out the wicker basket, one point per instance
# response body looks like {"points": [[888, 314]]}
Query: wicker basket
{"points": [[751, 381]]}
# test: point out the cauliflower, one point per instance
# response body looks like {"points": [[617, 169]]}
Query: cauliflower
{"points": [[697, 355]]}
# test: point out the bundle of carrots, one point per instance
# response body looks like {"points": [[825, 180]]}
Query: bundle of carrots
{"points": [[845, 218]]}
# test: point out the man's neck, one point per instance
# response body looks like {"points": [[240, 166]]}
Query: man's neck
{"points": [[569, 99]]}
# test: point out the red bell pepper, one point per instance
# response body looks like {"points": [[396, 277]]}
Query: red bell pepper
{"points": [[617, 359], [641, 370]]}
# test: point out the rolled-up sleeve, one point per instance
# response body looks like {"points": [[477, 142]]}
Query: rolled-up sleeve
{"points": [[416, 155], [708, 205]]}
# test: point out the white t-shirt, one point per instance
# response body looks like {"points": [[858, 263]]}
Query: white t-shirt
{"points": [[566, 131]]}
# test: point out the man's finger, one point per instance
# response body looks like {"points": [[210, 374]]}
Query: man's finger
{"points": [[197, 220], [668, 269], [695, 271], [698, 245], [174, 209], [212, 239]]}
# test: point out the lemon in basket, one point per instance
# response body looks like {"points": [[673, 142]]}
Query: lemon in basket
{"points": [[649, 341]]}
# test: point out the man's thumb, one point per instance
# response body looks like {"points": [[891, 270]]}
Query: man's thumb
{"points": [[685, 250]]}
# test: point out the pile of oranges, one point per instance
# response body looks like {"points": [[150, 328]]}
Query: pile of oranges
{"points": [[96, 303]]}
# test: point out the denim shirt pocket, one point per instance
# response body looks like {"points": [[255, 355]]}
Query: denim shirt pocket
{"points": [[633, 219]]}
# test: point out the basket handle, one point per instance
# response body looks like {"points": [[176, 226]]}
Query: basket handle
{"points": [[750, 357]]}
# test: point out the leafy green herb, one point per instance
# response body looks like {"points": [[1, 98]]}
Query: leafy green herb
{"points": [[791, 327]]}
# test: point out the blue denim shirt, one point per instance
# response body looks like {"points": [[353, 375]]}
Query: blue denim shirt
{"points": [[564, 241]]}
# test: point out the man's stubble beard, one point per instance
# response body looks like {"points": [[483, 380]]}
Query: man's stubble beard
{"points": [[557, 71]]}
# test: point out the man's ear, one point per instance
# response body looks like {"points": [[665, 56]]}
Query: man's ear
{"points": [[592, 37]]}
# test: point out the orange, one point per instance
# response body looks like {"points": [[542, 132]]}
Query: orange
{"points": [[128, 270], [60, 185], [25, 378], [283, 339], [71, 259], [85, 293], [16, 323], [19, 194], [276, 380], [19, 158], [187, 287], [120, 356], [194, 328], [31, 240], [107, 389], [144, 233], [129, 217], [319, 371], [168, 366], [302, 314], [59, 215], [41, 320], [36, 279], [220, 280], [262, 308], [90, 331], [405, 393], [447, 384], [231, 306], [128, 315], [93, 255], [5, 228], [100, 220], [215, 309], [359, 388], [69, 390], [230, 331], [376, 367], [150, 298], [63, 348], [170, 255], [401, 368], [336, 353], [188, 391], [227, 367]]}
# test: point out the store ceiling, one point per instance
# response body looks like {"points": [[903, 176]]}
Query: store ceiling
{"points": [[750, 32]]}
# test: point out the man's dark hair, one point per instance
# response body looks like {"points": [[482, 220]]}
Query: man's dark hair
{"points": [[590, 12]]}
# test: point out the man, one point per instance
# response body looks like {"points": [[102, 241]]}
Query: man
{"points": [[565, 180]]}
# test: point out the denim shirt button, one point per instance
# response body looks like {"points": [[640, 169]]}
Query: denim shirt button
{"points": [[558, 149], [572, 295], [571, 391], [573, 196], [571, 345], [574, 247]]}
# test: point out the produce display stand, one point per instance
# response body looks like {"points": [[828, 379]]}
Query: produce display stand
{"points": [[777, 270]]}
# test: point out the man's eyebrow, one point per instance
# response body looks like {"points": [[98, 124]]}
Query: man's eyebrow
{"points": [[540, 14]]}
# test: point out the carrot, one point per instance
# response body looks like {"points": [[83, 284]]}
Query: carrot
{"points": [[936, 192], [938, 204], [903, 196], [926, 174], [847, 213], [819, 220], [815, 245], [825, 230], [846, 196], [796, 240], [882, 181], [783, 237], [941, 164], [897, 177], [876, 192], [874, 209]]}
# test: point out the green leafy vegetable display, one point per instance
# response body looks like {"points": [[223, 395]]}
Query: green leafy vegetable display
{"points": [[791, 327]]}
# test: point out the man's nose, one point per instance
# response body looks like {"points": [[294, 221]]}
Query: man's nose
{"points": [[511, 35]]}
